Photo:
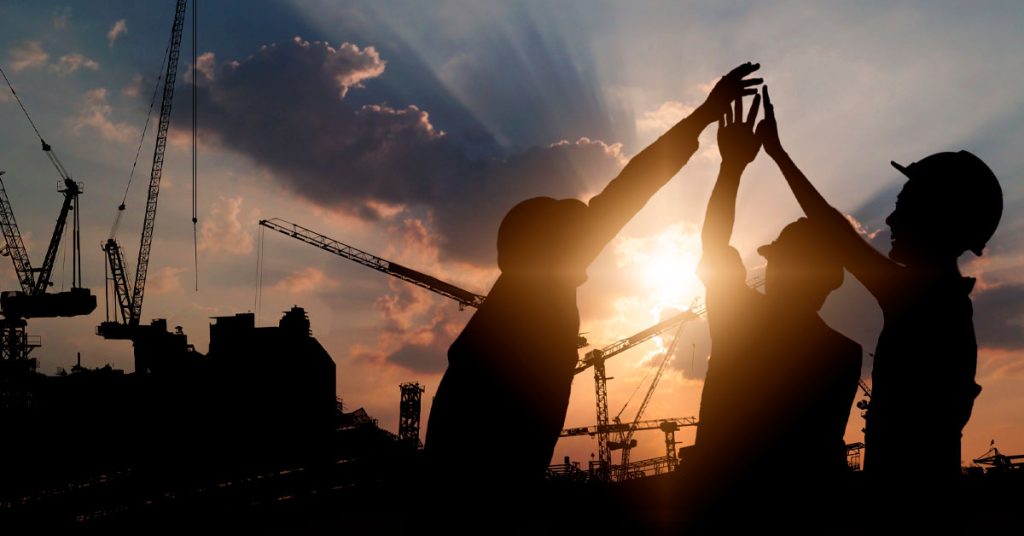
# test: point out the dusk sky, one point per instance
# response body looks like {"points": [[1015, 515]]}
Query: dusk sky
{"points": [[408, 129]]}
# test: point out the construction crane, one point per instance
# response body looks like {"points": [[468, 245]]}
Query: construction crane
{"points": [[597, 358], [129, 298], [997, 461], [464, 297], [627, 470], [616, 428], [626, 437], [33, 300]]}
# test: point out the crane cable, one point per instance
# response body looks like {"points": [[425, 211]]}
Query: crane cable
{"points": [[258, 298], [46, 146], [668, 353], [195, 138], [53, 159], [17, 98], [142, 139]]}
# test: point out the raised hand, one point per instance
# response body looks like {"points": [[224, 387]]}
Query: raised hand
{"points": [[736, 139], [729, 88], [768, 129]]}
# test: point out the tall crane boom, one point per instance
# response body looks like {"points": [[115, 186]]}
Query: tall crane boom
{"points": [[15, 245], [627, 435], [70, 191], [593, 357], [32, 284], [129, 297], [433, 284], [148, 223]]}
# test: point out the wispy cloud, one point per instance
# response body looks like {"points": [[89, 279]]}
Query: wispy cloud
{"points": [[117, 30], [223, 231], [305, 281], [95, 112], [70, 63], [662, 119], [134, 87], [28, 55], [166, 280], [61, 17]]}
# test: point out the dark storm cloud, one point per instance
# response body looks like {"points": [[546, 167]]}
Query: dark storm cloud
{"points": [[288, 107], [424, 359]]}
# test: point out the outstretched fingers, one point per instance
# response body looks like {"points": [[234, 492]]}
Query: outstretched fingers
{"points": [[754, 108], [769, 110], [744, 70]]}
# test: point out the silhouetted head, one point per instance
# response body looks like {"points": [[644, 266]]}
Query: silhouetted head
{"points": [[802, 269], [951, 203], [536, 240]]}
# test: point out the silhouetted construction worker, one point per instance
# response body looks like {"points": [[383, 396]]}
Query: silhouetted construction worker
{"points": [[923, 386], [503, 399], [780, 382]]}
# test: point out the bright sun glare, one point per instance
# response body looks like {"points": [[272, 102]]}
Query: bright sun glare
{"points": [[664, 267], [662, 270]]}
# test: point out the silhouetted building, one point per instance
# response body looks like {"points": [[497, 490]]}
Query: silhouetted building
{"points": [[273, 387], [262, 398]]}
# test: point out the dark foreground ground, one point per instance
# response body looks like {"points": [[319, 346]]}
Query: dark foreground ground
{"points": [[385, 496]]}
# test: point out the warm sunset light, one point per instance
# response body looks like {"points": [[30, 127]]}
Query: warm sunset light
{"points": [[367, 260], [663, 267]]}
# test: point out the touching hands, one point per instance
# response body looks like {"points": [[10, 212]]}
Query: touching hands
{"points": [[768, 129], [736, 138], [729, 88]]}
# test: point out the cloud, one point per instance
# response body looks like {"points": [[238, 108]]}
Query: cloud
{"points": [[999, 363], [134, 87], [61, 17], [28, 55], [288, 107], [166, 280], [205, 65], [417, 328], [664, 118], [305, 281], [70, 63], [999, 317], [223, 231], [95, 114], [861, 230], [118, 29]]}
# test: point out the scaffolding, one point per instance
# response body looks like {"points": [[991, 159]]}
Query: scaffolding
{"points": [[409, 413]]}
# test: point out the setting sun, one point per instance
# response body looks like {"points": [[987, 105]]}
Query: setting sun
{"points": [[664, 267]]}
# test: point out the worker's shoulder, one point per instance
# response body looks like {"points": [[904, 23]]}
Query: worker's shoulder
{"points": [[720, 262]]}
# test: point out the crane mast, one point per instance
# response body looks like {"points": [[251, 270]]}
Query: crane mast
{"points": [[597, 358], [70, 191], [149, 222], [15, 245], [627, 435]]}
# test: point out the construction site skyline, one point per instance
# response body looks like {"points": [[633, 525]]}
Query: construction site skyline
{"points": [[291, 98]]}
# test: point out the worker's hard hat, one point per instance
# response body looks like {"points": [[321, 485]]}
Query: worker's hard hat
{"points": [[962, 184]]}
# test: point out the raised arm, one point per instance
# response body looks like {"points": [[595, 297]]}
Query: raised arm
{"points": [[869, 266], [649, 170], [738, 145]]}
